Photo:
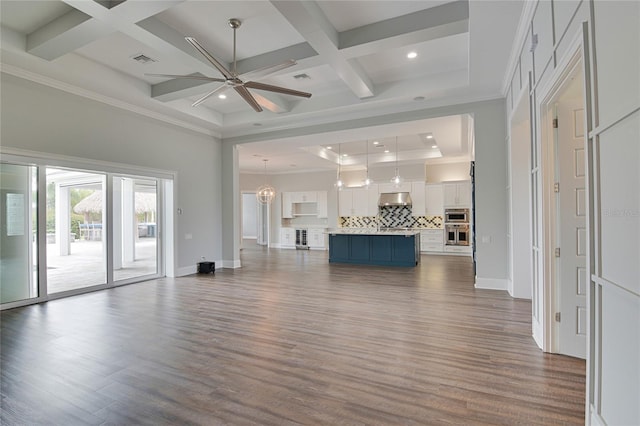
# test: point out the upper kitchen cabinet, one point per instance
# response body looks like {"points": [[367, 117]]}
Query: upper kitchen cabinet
{"points": [[418, 207], [457, 194], [322, 204], [358, 202], [434, 199], [304, 203], [392, 187]]}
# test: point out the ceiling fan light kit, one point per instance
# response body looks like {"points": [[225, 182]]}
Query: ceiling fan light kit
{"points": [[240, 83]]}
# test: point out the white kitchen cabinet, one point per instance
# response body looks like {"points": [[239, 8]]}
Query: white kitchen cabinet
{"points": [[322, 203], [434, 199], [287, 238], [458, 249], [417, 199], [432, 240], [304, 197], [457, 194], [287, 206], [358, 202], [391, 187], [316, 238]]}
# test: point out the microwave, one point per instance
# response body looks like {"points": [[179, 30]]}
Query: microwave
{"points": [[456, 216]]}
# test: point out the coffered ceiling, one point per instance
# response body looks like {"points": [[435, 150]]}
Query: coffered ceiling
{"points": [[351, 55]]}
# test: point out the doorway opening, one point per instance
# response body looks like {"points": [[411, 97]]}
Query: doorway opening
{"points": [[563, 201]]}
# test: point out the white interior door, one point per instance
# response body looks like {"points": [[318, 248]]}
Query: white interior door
{"points": [[572, 280]]}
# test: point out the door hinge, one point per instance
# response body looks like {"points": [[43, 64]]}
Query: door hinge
{"points": [[557, 316], [555, 123], [557, 251], [556, 187]]}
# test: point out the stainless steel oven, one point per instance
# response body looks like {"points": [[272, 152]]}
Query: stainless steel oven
{"points": [[457, 234], [456, 216]]}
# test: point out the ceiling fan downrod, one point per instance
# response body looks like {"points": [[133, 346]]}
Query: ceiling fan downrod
{"points": [[235, 24]]}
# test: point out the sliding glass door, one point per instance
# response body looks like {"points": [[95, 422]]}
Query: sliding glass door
{"points": [[76, 231], [135, 227], [18, 233], [66, 230]]}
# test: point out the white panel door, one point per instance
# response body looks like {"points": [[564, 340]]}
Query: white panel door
{"points": [[572, 276]]}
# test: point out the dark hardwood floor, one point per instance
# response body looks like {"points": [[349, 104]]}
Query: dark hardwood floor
{"points": [[287, 339]]}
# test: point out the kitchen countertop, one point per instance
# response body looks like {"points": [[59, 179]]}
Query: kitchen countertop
{"points": [[405, 232]]}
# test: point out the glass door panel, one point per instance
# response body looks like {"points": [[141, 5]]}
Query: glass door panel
{"points": [[76, 237], [18, 233], [135, 227]]}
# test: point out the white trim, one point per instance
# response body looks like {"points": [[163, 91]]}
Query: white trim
{"points": [[595, 419], [524, 25], [231, 264], [67, 161], [186, 270], [89, 94], [536, 333], [491, 283]]}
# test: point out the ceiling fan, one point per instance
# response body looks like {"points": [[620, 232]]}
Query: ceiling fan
{"points": [[240, 83]]}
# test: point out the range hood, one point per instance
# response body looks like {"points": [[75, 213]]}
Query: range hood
{"points": [[394, 199]]}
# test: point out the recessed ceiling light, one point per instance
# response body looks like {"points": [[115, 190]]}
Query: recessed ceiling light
{"points": [[222, 96], [412, 55], [376, 142], [386, 151], [329, 147], [429, 136], [434, 146], [344, 155]]}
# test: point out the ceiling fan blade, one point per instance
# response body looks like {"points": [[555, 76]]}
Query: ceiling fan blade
{"points": [[277, 89], [208, 95], [264, 71], [194, 77], [225, 72], [242, 91]]}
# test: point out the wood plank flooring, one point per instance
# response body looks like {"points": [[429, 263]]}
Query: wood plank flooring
{"points": [[287, 339]]}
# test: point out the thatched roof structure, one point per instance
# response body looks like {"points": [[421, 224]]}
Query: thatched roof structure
{"points": [[144, 202]]}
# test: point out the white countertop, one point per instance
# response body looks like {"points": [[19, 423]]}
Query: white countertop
{"points": [[406, 232]]}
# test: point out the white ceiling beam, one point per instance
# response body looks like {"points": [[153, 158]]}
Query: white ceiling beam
{"points": [[309, 20], [80, 27], [425, 25]]}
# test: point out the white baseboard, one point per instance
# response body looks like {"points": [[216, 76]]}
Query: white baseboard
{"points": [[491, 283], [536, 332], [186, 270], [231, 264], [596, 419]]}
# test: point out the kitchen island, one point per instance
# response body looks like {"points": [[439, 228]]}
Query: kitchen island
{"points": [[385, 248]]}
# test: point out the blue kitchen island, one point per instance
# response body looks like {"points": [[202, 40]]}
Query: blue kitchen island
{"points": [[384, 248]]}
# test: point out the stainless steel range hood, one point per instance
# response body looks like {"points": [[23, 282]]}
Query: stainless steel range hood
{"points": [[394, 199]]}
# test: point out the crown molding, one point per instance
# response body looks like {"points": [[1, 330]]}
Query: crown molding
{"points": [[89, 94], [516, 48]]}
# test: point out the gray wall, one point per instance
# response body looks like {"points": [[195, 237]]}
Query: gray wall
{"points": [[46, 120], [613, 181]]}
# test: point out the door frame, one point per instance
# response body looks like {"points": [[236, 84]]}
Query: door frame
{"points": [[571, 64]]}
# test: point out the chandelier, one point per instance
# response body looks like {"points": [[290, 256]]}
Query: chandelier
{"points": [[265, 192]]}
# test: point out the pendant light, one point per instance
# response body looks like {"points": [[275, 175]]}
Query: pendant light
{"points": [[265, 192], [397, 179], [367, 180], [339, 183]]}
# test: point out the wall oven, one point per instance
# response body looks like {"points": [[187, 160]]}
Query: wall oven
{"points": [[457, 234], [456, 216]]}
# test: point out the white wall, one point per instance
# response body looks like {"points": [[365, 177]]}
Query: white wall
{"points": [[442, 172], [249, 215], [613, 180], [46, 120]]}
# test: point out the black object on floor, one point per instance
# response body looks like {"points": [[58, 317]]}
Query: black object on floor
{"points": [[206, 267]]}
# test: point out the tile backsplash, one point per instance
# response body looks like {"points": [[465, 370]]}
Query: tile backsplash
{"points": [[392, 217]]}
